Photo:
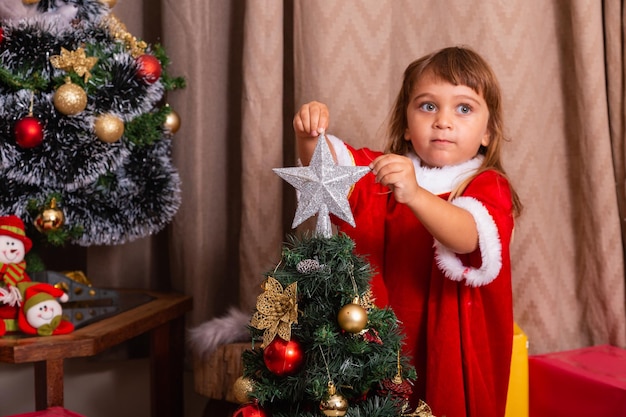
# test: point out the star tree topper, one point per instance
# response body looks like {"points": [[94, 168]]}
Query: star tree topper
{"points": [[323, 188]]}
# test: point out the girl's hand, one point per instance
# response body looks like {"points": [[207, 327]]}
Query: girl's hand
{"points": [[311, 120], [397, 173]]}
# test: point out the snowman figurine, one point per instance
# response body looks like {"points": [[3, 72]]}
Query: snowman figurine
{"points": [[14, 244], [41, 313]]}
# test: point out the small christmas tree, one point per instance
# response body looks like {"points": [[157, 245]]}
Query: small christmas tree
{"points": [[85, 134], [325, 347]]}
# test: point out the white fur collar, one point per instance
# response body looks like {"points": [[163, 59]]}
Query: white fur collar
{"points": [[445, 179]]}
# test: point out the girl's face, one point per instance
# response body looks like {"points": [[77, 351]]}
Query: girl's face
{"points": [[447, 123]]}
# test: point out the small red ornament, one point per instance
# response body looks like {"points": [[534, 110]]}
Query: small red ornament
{"points": [[250, 410], [282, 357], [1, 35], [28, 132], [149, 68]]}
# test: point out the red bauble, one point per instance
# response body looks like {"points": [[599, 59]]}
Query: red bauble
{"points": [[282, 357], [250, 410], [28, 132], [1, 35], [149, 68]]}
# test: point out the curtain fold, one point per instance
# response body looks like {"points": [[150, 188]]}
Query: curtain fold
{"points": [[261, 145]]}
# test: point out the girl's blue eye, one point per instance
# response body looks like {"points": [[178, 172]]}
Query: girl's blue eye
{"points": [[428, 107], [464, 109]]}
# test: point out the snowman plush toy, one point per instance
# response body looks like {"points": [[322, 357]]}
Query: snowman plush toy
{"points": [[41, 313], [19, 294]]}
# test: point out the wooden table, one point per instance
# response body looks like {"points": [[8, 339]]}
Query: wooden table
{"points": [[162, 317]]}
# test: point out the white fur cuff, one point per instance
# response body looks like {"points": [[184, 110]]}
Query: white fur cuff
{"points": [[488, 243]]}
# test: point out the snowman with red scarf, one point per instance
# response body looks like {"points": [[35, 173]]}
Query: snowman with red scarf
{"points": [[14, 244]]}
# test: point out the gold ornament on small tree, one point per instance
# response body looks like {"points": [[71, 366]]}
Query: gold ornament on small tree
{"points": [[242, 388], [352, 317], [109, 128], [69, 98], [334, 404], [277, 310], [50, 218]]}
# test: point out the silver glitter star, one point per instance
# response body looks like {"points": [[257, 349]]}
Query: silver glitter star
{"points": [[323, 188]]}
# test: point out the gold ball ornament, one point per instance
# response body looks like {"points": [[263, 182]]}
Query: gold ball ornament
{"points": [[50, 218], [109, 128], [335, 404], [242, 388], [352, 317], [70, 99], [172, 122]]}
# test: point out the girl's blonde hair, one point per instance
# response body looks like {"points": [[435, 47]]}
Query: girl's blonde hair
{"points": [[458, 66]]}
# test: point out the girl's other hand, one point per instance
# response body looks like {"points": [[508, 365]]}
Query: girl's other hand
{"points": [[311, 120], [397, 173]]}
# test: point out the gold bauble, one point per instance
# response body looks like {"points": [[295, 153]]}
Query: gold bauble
{"points": [[109, 128], [335, 404], [70, 99], [242, 388], [110, 3], [172, 122], [50, 218], [352, 318]]}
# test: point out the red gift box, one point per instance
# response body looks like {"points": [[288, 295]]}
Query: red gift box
{"points": [[583, 382], [50, 412]]}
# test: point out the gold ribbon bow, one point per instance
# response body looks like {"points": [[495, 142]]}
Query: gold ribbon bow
{"points": [[76, 61]]}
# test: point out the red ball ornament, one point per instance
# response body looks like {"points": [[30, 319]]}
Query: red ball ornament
{"points": [[1, 35], [250, 410], [282, 357], [28, 132], [149, 68]]}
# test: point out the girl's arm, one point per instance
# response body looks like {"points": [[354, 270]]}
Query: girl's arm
{"points": [[453, 226], [311, 120]]}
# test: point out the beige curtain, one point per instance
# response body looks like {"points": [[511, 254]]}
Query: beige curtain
{"points": [[250, 64]]}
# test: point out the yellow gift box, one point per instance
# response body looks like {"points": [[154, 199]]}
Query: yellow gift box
{"points": [[517, 397]]}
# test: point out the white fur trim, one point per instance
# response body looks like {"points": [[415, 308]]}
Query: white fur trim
{"points": [[344, 158], [488, 243]]}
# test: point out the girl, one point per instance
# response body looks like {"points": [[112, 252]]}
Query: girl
{"points": [[435, 218]]}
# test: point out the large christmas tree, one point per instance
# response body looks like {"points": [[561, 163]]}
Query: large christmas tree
{"points": [[85, 130], [324, 345]]}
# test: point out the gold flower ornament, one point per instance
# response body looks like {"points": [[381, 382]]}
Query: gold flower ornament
{"points": [[277, 310]]}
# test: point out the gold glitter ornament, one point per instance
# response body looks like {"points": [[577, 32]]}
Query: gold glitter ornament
{"points": [[118, 30], [422, 410], [242, 388], [352, 317], [172, 122], [50, 218], [335, 404], [109, 128], [277, 310], [70, 99]]}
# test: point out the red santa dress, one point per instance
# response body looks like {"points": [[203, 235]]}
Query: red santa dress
{"points": [[456, 311]]}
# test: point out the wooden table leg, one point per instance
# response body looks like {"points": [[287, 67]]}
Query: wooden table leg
{"points": [[48, 384], [167, 344]]}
